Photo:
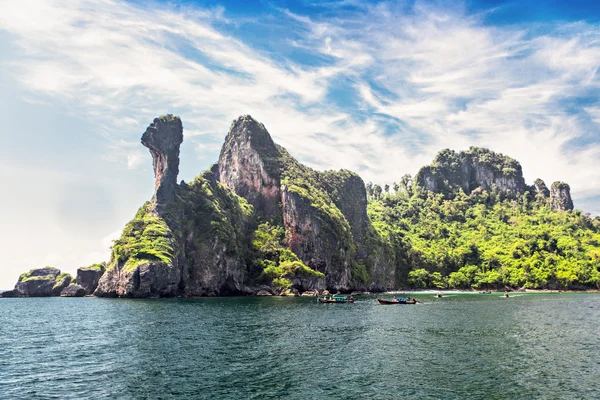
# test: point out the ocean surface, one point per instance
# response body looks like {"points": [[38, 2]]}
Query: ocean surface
{"points": [[462, 346]]}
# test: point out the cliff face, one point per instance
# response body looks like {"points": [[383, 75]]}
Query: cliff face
{"points": [[314, 242], [191, 239], [248, 164], [468, 170], [88, 277], [323, 213], [560, 197], [347, 191], [74, 290], [212, 228], [145, 280]]}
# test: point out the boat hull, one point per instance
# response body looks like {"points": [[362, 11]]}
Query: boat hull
{"points": [[324, 301], [382, 301]]}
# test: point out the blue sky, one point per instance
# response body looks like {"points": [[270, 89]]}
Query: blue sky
{"points": [[375, 87]]}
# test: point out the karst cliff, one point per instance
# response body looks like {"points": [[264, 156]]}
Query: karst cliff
{"points": [[200, 238]]}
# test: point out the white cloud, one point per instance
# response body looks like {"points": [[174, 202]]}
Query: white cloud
{"points": [[134, 160]]}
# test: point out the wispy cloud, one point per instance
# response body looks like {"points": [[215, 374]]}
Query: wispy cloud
{"points": [[418, 81], [134, 160]]}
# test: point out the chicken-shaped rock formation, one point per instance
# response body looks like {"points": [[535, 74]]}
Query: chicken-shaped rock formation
{"points": [[163, 138]]}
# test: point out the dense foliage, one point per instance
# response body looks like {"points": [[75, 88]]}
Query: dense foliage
{"points": [[63, 279], [31, 275], [207, 209], [94, 267], [145, 238], [426, 233], [484, 240], [312, 186], [278, 264]]}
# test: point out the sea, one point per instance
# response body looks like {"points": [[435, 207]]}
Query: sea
{"points": [[460, 346]]}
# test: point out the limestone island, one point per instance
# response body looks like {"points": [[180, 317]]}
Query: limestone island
{"points": [[261, 223]]}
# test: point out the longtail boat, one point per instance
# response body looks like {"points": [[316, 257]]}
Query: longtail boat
{"points": [[336, 299], [397, 300]]}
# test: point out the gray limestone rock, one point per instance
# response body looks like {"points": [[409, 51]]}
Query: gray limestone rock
{"points": [[560, 197], [42, 282], [249, 165], [73, 291], [163, 138], [88, 277]]}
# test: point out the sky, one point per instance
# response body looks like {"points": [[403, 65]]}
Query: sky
{"points": [[375, 87]]}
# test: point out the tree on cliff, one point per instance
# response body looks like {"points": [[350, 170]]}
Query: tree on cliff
{"points": [[369, 189], [406, 183], [377, 192]]}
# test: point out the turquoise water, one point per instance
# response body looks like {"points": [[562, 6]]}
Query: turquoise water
{"points": [[467, 346]]}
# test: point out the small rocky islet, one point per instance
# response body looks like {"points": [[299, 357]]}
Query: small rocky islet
{"points": [[261, 223], [50, 281]]}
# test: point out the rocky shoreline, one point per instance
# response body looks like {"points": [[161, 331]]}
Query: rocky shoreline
{"points": [[51, 282], [37, 283]]}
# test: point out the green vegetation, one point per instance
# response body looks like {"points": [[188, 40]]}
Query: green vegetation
{"points": [[277, 263], [202, 211], [51, 274], [168, 117], [312, 187], [62, 279], [205, 209], [333, 200], [145, 238], [94, 267], [485, 241], [488, 238]]}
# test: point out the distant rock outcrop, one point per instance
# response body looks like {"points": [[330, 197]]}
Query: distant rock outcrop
{"points": [[73, 290], [163, 138], [42, 282], [152, 278], [88, 277], [468, 170], [560, 197], [541, 189]]}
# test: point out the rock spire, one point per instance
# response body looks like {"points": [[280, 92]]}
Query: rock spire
{"points": [[163, 138], [560, 197]]}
